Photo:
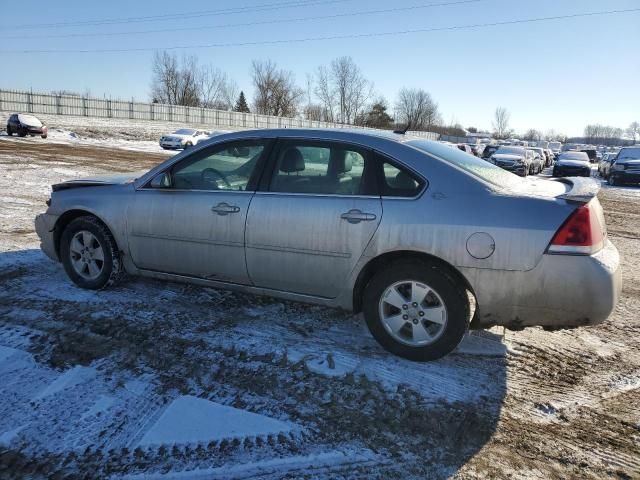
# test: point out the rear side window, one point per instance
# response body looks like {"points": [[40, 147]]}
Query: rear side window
{"points": [[317, 167], [397, 181]]}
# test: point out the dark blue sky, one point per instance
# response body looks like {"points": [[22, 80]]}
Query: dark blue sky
{"points": [[559, 74]]}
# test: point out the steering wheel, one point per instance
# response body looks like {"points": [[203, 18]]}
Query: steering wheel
{"points": [[209, 175]]}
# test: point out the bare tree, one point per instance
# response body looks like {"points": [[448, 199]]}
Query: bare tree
{"points": [[175, 82], [501, 119], [532, 134], [634, 131], [343, 90], [416, 108], [275, 90], [230, 93], [212, 85]]}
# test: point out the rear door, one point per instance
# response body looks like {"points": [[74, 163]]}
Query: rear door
{"points": [[312, 218]]}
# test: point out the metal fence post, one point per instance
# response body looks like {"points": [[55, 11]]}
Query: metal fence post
{"points": [[131, 109], [85, 112], [202, 115], [151, 111], [58, 105], [109, 108]]}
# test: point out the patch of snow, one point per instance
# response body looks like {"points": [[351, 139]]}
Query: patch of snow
{"points": [[69, 378], [7, 437], [304, 465], [191, 419], [102, 404]]}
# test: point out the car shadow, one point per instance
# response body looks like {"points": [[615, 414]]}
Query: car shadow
{"points": [[317, 368]]}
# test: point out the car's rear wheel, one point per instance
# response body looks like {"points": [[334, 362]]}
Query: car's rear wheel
{"points": [[89, 254], [613, 181], [416, 310], [188, 145], [44, 136]]}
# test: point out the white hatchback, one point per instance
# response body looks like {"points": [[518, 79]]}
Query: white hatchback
{"points": [[183, 138]]}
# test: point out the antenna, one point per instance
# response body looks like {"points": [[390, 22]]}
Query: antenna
{"points": [[404, 130]]}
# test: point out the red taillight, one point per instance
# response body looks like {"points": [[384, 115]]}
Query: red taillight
{"points": [[581, 233]]}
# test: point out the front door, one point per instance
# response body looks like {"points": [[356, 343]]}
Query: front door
{"points": [[194, 223], [307, 231]]}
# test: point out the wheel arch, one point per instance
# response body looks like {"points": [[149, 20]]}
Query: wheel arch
{"points": [[375, 264], [70, 215]]}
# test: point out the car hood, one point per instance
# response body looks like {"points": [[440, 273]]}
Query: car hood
{"points": [[505, 157], [178, 136], [629, 163], [117, 179], [29, 121], [572, 163]]}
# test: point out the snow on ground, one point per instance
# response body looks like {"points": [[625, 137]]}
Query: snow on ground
{"points": [[159, 380]]}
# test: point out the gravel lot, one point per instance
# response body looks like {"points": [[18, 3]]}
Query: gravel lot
{"points": [[117, 383]]}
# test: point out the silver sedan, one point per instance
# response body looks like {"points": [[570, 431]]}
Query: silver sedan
{"points": [[425, 240]]}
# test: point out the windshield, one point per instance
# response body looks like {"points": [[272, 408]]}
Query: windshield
{"points": [[574, 156], [629, 154], [510, 151], [477, 167], [185, 131]]}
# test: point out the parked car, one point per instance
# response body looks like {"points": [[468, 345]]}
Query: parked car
{"points": [[183, 138], [539, 159], [604, 166], [489, 150], [550, 157], [572, 164], [518, 160], [401, 228], [626, 166], [23, 125], [465, 148], [592, 154]]}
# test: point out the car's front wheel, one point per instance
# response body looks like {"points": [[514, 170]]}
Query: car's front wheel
{"points": [[89, 254], [9, 131], [416, 310], [22, 132]]}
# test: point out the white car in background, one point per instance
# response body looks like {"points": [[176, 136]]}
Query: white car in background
{"points": [[183, 138]]}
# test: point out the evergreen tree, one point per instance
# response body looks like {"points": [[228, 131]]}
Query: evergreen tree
{"points": [[241, 104]]}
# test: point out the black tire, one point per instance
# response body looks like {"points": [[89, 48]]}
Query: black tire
{"points": [[9, 131], [43, 136], [612, 180], [454, 298], [22, 132], [111, 271], [188, 145]]}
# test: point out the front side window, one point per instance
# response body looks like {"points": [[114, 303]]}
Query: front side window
{"points": [[320, 168], [222, 167]]}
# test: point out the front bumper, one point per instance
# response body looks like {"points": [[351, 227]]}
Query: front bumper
{"points": [[625, 177], [172, 145], [562, 291], [571, 172], [519, 169], [45, 225]]}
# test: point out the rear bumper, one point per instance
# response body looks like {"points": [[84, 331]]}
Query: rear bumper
{"points": [[562, 291], [45, 225]]}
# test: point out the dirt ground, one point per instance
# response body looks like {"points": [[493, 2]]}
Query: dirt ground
{"points": [[85, 374]]}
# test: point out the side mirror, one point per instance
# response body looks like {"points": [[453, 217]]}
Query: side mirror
{"points": [[162, 180]]}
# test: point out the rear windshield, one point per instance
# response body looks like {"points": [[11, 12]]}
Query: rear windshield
{"points": [[511, 150], [574, 156], [629, 154], [185, 131], [475, 166]]}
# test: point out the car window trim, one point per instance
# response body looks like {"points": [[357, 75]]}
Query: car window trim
{"points": [[267, 175]]}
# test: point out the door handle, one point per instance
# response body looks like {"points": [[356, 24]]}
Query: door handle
{"points": [[357, 216], [225, 209]]}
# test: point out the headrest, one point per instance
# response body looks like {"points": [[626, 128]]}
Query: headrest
{"points": [[341, 163], [292, 161], [404, 181]]}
